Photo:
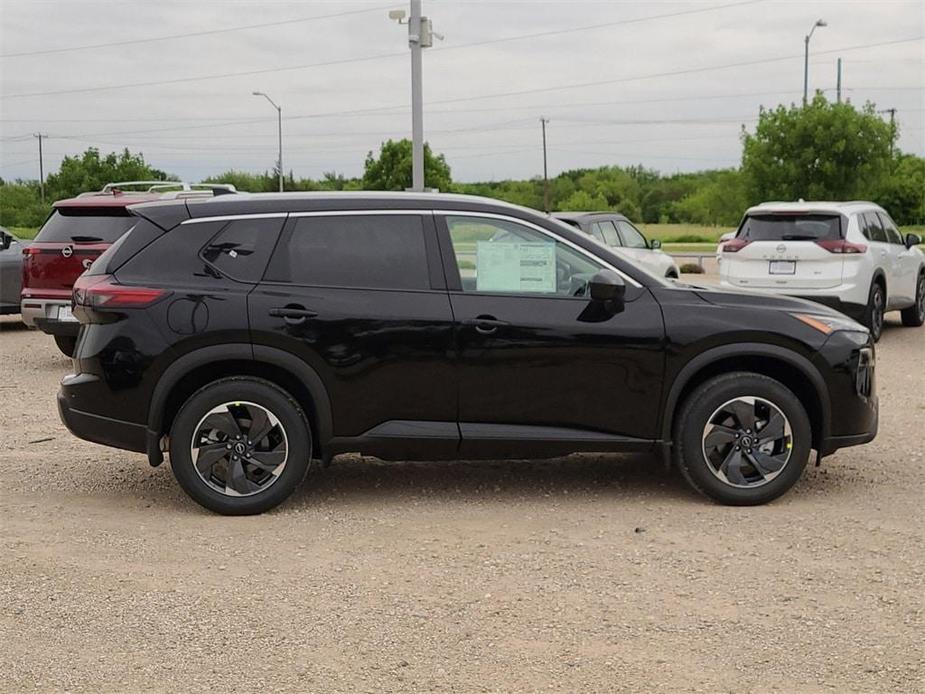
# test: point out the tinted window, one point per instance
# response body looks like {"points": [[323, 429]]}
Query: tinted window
{"points": [[790, 227], [497, 256], [875, 231], [173, 258], [632, 237], [372, 251], [862, 225], [608, 231], [892, 233], [242, 248], [88, 225]]}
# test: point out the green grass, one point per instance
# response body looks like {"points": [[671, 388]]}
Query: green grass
{"points": [[684, 233], [24, 232]]}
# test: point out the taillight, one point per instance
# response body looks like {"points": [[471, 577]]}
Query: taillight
{"points": [[734, 245], [103, 291], [842, 246]]}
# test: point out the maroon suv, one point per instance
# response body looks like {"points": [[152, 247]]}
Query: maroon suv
{"points": [[77, 232]]}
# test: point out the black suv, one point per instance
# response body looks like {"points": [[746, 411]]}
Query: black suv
{"points": [[248, 336]]}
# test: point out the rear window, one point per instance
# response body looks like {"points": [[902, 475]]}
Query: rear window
{"points": [[790, 227], [86, 225], [372, 251]]}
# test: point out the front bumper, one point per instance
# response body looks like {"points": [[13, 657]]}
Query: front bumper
{"points": [[93, 427], [44, 315]]}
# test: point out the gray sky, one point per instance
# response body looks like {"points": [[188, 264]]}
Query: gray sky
{"points": [[657, 99]]}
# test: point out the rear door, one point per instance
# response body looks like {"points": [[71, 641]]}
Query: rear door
{"points": [[71, 239], [785, 250], [883, 254], [360, 297]]}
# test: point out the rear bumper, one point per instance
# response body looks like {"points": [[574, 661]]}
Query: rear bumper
{"points": [[93, 427], [43, 314]]}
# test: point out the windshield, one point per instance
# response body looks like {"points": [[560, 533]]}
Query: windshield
{"points": [[790, 227], [86, 225]]}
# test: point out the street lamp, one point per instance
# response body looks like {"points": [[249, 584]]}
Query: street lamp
{"points": [[279, 113], [819, 23]]}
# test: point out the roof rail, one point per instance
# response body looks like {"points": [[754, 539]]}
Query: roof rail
{"points": [[155, 186]]}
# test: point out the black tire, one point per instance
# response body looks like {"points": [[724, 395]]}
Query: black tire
{"points": [[875, 310], [914, 316], [67, 344], [691, 440], [246, 393]]}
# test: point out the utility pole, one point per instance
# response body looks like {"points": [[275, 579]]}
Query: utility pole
{"points": [[543, 122], [892, 112], [838, 82], [420, 36], [819, 23], [279, 121], [41, 165]]}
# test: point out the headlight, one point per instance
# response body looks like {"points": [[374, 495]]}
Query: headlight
{"points": [[829, 324]]}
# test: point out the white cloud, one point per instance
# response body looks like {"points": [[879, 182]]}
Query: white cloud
{"points": [[629, 121]]}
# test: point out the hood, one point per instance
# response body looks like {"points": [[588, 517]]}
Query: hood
{"points": [[762, 300]]}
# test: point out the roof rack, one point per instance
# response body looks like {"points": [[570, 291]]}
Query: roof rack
{"points": [[168, 189]]}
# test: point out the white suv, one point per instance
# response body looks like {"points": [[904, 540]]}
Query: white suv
{"points": [[848, 255]]}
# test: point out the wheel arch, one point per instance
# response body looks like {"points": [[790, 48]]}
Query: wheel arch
{"points": [[195, 369], [795, 371]]}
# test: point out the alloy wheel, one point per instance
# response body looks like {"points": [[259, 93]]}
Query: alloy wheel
{"points": [[239, 448], [747, 442], [921, 297], [877, 314]]}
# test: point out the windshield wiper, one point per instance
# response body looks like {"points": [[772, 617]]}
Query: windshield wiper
{"points": [[798, 237], [86, 239]]}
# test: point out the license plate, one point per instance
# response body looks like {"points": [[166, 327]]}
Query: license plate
{"points": [[64, 313], [782, 267]]}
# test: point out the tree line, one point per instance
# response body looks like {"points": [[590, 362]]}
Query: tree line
{"points": [[823, 151]]}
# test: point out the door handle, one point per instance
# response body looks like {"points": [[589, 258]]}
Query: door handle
{"points": [[486, 325], [293, 314]]}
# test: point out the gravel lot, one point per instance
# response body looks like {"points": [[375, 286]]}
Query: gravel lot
{"points": [[590, 573]]}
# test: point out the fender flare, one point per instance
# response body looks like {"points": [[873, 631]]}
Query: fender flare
{"points": [[746, 349], [191, 361]]}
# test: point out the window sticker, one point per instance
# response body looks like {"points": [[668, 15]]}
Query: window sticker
{"points": [[515, 267]]}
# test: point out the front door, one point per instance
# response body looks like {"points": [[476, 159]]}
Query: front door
{"points": [[361, 299], [540, 366]]}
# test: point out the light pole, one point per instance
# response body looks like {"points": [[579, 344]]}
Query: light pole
{"points": [[279, 114], [543, 122], [420, 36], [819, 23]]}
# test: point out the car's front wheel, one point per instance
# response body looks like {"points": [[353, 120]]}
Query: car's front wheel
{"points": [[240, 446], [742, 439], [914, 316]]}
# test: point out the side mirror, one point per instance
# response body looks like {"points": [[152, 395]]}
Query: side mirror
{"points": [[607, 286], [655, 244], [913, 240], [5, 241]]}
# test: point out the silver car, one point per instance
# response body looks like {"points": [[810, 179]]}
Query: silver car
{"points": [[10, 271]]}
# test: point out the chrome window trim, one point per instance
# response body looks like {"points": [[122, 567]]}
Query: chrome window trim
{"points": [[358, 213], [547, 232], [232, 217]]}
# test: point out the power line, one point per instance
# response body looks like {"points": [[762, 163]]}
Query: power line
{"points": [[132, 42], [81, 90]]}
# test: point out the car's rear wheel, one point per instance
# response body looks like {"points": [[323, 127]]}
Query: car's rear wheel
{"points": [[742, 439], [876, 308], [240, 446], [914, 316], [67, 344]]}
